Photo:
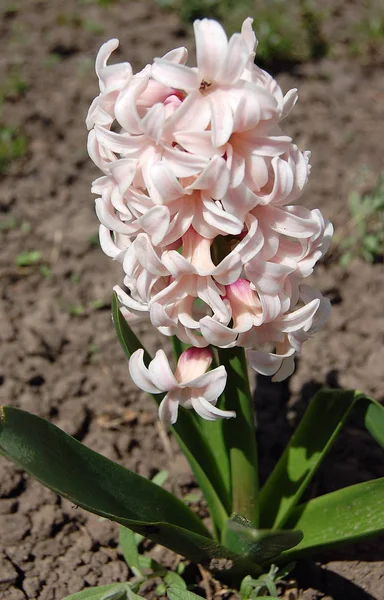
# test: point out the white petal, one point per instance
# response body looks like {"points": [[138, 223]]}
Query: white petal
{"points": [[300, 317], [175, 75], [125, 107], [166, 182], [286, 370], [211, 48], [222, 117], [214, 178], [196, 142], [236, 59], [123, 171], [155, 222], [153, 122], [209, 412], [140, 374], [161, 373], [267, 277], [106, 216], [217, 217], [213, 383], [168, 410], [177, 55], [108, 246], [184, 164]]}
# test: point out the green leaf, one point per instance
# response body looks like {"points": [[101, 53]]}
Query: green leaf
{"points": [[178, 593], [107, 489], [317, 431], [100, 485], [257, 544], [132, 596], [174, 579], [190, 439], [101, 593], [346, 515], [240, 435], [129, 547], [160, 478]]}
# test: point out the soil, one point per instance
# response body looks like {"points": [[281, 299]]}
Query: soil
{"points": [[59, 356]]}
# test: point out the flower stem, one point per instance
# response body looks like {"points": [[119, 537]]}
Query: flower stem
{"points": [[240, 436]]}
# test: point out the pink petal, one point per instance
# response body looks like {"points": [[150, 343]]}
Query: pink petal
{"points": [[175, 75], [217, 334], [263, 362], [286, 370], [127, 300], [240, 200], [271, 145], [253, 242], [222, 117], [229, 269], [196, 142], [140, 374], [209, 412], [106, 216], [192, 363], [193, 114], [289, 102], [123, 171], [249, 35], [267, 277], [180, 223], [211, 48], [284, 221], [213, 383], [147, 256], [165, 182], [214, 178], [301, 317], [235, 61], [108, 246], [122, 143], [176, 264], [168, 410], [161, 373], [271, 307], [155, 222], [104, 53], [125, 107], [224, 222], [153, 122], [178, 55], [184, 164]]}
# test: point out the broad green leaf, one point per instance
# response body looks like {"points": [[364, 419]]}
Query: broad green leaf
{"points": [[107, 489], [129, 547], [346, 515], [178, 593], [317, 431], [187, 433], [132, 596], [174, 579], [101, 593], [257, 544]]}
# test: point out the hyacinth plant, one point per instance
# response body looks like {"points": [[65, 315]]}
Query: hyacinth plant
{"points": [[196, 204]]}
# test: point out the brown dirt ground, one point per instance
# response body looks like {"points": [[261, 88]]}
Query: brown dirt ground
{"points": [[59, 356]]}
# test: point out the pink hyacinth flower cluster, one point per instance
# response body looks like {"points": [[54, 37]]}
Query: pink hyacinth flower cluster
{"points": [[197, 199]]}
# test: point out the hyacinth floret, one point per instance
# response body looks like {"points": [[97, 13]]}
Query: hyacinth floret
{"points": [[197, 199]]}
